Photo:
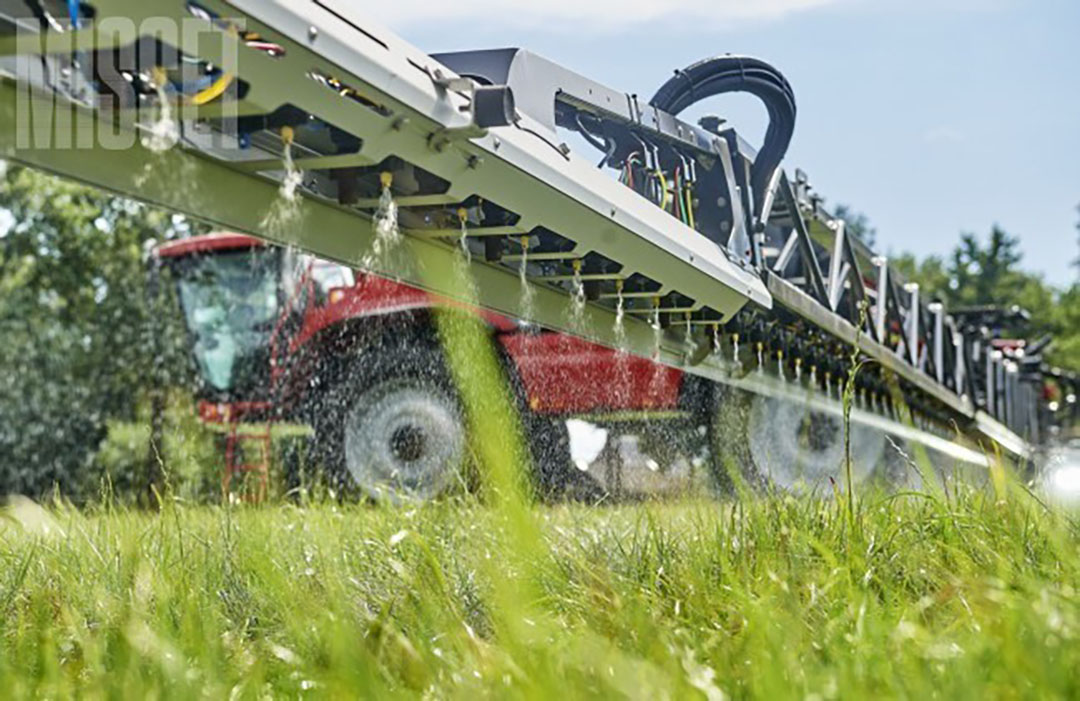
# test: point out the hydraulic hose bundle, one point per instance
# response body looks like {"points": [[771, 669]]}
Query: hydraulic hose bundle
{"points": [[725, 74]]}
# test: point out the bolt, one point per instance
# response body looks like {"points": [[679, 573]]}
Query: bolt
{"points": [[312, 33]]}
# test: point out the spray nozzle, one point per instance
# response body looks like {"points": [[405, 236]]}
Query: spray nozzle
{"points": [[288, 135], [462, 215], [386, 179], [159, 76]]}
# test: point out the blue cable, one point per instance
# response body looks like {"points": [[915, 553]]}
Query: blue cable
{"points": [[74, 14]]}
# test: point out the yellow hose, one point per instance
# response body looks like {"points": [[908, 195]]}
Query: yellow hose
{"points": [[214, 91], [690, 206], [664, 196]]}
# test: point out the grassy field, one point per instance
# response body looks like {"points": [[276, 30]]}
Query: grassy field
{"points": [[955, 594]]}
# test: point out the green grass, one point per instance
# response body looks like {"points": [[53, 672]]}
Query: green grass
{"points": [[964, 594]]}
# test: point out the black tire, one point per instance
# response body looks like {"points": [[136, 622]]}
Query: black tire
{"points": [[554, 475], [415, 360], [773, 443], [297, 457], [392, 424]]}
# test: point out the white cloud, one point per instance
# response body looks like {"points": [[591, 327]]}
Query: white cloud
{"points": [[602, 15]]}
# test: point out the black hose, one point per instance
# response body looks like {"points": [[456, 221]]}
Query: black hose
{"points": [[596, 143], [724, 74], [607, 145]]}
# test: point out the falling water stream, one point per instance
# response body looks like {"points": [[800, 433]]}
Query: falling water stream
{"points": [[164, 133], [658, 330], [622, 367], [463, 278], [387, 233], [527, 294], [577, 299], [463, 216], [283, 218], [620, 318], [689, 344], [293, 176]]}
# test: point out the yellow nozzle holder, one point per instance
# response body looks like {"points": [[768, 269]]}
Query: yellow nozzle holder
{"points": [[576, 263], [686, 315], [288, 135], [462, 214], [386, 179], [798, 362], [618, 285], [656, 302], [735, 338], [159, 76]]}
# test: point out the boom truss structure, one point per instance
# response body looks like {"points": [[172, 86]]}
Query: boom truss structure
{"points": [[686, 244]]}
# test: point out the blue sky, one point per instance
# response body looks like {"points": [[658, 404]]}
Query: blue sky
{"points": [[931, 117]]}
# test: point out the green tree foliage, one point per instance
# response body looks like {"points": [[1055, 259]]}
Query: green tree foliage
{"points": [[857, 223], [988, 273], [1076, 263], [78, 350]]}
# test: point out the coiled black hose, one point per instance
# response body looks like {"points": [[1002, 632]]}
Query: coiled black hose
{"points": [[724, 74]]}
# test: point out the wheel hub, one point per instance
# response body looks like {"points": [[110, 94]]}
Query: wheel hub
{"points": [[798, 448], [404, 438], [407, 443]]}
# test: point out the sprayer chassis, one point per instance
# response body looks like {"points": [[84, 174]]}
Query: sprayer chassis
{"points": [[414, 109]]}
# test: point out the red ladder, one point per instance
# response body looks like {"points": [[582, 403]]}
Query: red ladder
{"points": [[238, 462]]}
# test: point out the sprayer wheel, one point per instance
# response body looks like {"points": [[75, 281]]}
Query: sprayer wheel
{"points": [[394, 425], [769, 442]]}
